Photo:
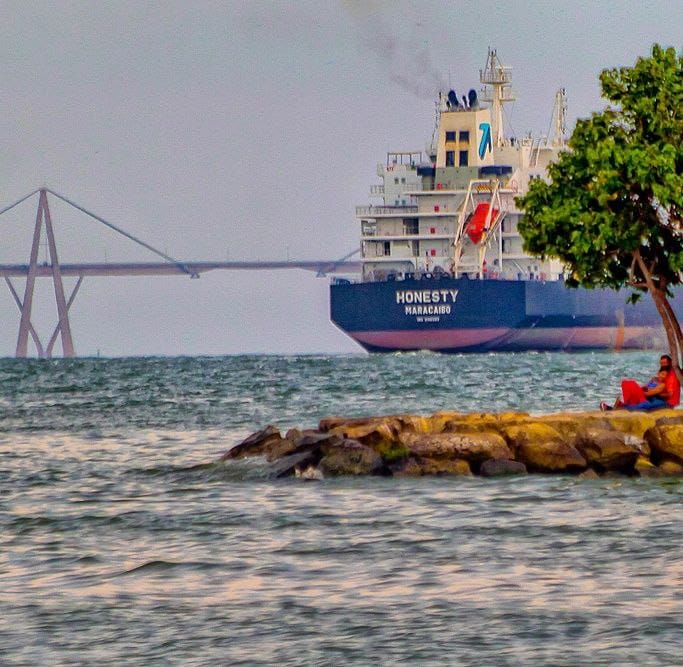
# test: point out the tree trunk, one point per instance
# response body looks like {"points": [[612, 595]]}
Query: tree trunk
{"points": [[672, 327], [676, 326]]}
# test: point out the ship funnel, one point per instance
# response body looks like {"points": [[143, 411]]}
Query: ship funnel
{"points": [[472, 99], [453, 99]]}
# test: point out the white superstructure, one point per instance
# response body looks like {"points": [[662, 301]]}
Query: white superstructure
{"points": [[451, 209]]}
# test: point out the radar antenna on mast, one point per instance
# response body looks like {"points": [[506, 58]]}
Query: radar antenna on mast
{"points": [[499, 78]]}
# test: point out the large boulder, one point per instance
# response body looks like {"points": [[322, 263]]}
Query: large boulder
{"points": [[535, 432], [296, 442], [472, 447], [414, 423], [260, 443], [438, 420], [607, 450], [546, 443], [350, 457], [668, 417], [633, 423], [328, 423], [645, 468], [269, 443], [474, 426], [292, 464], [380, 434], [419, 466], [666, 442], [550, 456], [359, 424], [569, 426], [671, 468], [372, 433], [483, 422]]}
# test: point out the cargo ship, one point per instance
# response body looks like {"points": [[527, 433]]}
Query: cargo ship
{"points": [[443, 266]]}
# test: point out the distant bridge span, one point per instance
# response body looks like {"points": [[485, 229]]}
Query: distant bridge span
{"points": [[321, 267], [170, 266]]}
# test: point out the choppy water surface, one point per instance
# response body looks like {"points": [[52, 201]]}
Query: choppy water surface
{"points": [[122, 541]]}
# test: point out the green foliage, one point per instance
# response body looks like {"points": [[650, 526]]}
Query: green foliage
{"points": [[620, 187]]}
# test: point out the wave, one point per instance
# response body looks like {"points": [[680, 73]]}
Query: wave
{"points": [[153, 566], [215, 471]]}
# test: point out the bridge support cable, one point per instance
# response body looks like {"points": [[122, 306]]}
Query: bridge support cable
{"points": [[19, 201], [118, 230], [333, 266]]}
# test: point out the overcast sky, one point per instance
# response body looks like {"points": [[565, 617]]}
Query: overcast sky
{"points": [[247, 130]]}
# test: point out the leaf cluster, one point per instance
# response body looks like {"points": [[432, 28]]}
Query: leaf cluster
{"points": [[619, 189]]}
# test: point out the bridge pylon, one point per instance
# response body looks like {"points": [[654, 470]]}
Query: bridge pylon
{"points": [[26, 327]]}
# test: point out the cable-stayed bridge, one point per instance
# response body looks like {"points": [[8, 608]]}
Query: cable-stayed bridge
{"points": [[164, 266]]}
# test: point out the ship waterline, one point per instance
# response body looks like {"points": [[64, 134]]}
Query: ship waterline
{"points": [[508, 340]]}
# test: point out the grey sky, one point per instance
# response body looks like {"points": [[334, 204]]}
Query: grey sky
{"points": [[251, 130]]}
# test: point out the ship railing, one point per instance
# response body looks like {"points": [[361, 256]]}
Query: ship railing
{"points": [[372, 211], [401, 189], [410, 187], [471, 272], [465, 271], [500, 75]]}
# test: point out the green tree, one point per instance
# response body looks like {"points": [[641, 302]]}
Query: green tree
{"points": [[612, 209]]}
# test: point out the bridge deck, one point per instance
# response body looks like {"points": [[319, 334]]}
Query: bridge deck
{"points": [[167, 268]]}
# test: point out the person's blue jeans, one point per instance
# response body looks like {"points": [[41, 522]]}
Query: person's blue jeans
{"points": [[653, 404]]}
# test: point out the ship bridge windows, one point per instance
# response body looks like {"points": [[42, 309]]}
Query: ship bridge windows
{"points": [[465, 135], [463, 159], [450, 136], [450, 158]]}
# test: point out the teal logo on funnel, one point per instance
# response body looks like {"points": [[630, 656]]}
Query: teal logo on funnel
{"points": [[485, 143]]}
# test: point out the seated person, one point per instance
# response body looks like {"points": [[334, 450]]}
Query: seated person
{"points": [[673, 387], [663, 391], [657, 382]]}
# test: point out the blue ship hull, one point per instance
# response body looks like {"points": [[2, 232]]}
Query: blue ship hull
{"points": [[462, 315]]}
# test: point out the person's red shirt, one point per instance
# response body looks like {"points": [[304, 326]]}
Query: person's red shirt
{"points": [[673, 388]]}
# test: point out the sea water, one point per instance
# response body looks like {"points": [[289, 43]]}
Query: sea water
{"points": [[124, 541]]}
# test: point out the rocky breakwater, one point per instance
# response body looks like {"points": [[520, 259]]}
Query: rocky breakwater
{"points": [[451, 443]]}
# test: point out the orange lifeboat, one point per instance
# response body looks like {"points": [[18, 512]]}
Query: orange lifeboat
{"points": [[477, 221]]}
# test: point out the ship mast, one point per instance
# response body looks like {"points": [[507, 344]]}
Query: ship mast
{"points": [[559, 120], [499, 78]]}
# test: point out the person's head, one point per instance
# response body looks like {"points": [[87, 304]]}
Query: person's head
{"points": [[665, 363], [661, 375]]}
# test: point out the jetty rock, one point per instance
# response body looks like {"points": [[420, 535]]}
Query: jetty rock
{"points": [[589, 444]]}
